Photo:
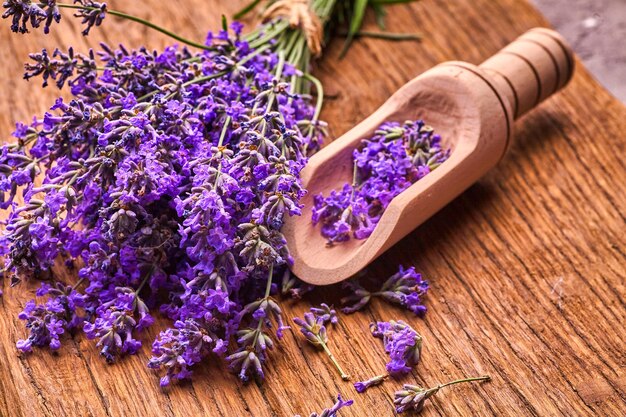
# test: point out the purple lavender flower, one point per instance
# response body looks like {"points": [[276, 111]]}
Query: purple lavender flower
{"points": [[332, 412], [384, 166], [405, 288], [22, 13], [362, 386], [313, 328], [61, 67], [164, 181], [92, 13], [178, 349], [47, 322], [402, 343], [253, 340], [326, 313]]}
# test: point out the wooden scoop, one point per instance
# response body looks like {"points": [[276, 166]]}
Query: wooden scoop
{"points": [[471, 107]]}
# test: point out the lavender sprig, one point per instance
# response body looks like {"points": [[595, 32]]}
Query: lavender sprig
{"points": [[314, 330], [253, 341], [362, 386], [402, 343], [413, 397], [332, 412], [26, 14], [405, 288]]}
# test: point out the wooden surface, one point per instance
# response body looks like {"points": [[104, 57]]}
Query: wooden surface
{"points": [[527, 267]]}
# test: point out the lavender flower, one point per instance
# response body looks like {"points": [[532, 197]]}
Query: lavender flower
{"points": [[413, 397], [61, 67], [163, 180], [405, 288], [24, 12], [313, 329], [402, 343], [253, 340], [332, 412], [46, 323], [384, 166], [180, 188], [325, 313], [179, 348], [362, 386], [92, 13]]}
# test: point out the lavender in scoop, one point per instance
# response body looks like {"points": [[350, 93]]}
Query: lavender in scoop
{"points": [[386, 164]]}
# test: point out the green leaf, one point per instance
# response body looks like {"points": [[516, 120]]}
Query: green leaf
{"points": [[224, 23], [380, 15], [356, 20], [246, 9]]}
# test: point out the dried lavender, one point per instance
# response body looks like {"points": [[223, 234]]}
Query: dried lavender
{"points": [[179, 167], [405, 288], [314, 330], [402, 343], [362, 386], [164, 181], [332, 412], [396, 156], [325, 313], [47, 322], [413, 397]]}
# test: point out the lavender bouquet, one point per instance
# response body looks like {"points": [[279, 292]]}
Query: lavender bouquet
{"points": [[163, 182]]}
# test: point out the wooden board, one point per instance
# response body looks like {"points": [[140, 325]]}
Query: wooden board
{"points": [[527, 267]]}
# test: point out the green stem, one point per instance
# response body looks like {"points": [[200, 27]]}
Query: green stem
{"points": [[138, 20], [386, 35], [354, 184], [145, 280], [458, 381], [219, 143], [320, 94], [279, 73], [344, 376], [275, 30], [246, 9], [80, 281], [268, 288]]}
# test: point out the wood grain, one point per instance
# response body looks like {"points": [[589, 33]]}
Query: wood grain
{"points": [[527, 267]]}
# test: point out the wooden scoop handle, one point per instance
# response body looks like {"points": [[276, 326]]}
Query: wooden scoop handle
{"points": [[531, 68]]}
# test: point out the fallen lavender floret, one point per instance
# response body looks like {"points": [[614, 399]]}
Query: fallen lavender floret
{"points": [[402, 343], [405, 288], [362, 386], [396, 156], [413, 397], [313, 329], [332, 412]]}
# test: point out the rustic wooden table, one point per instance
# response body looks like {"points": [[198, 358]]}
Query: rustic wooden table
{"points": [[527, 267]]}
